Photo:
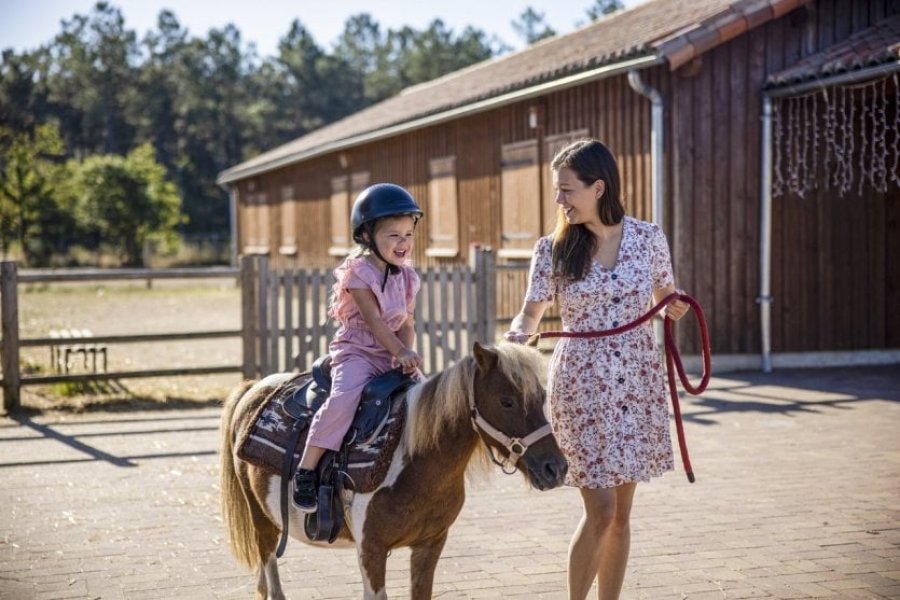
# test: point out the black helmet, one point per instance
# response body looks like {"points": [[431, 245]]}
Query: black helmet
{"points": [[381, 200]]}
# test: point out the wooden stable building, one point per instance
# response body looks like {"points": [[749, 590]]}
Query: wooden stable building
{"points": [[762, 134]]}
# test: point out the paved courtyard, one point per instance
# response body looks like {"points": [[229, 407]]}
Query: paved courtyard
{"points": [[797, 496]]}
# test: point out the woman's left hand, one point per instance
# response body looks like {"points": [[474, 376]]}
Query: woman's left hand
{"points": [[677, 308]]}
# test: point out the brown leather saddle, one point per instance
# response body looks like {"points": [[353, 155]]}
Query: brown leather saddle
{"points": [[375, 407]]}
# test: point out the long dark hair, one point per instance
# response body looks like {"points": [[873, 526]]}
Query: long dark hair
{"points": [[574, 245]]}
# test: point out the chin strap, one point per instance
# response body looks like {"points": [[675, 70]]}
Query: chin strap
{"points": [[389, 269]]}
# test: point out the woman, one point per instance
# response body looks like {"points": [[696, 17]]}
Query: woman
{"points": [[607, 395]]}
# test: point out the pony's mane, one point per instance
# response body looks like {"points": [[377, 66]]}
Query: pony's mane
{"points": [[443, 400]]}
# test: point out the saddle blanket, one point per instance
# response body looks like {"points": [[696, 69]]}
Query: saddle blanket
{"points": [[263, 440]]}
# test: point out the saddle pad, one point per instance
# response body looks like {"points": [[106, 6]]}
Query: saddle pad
{"points": [[262, 442]]}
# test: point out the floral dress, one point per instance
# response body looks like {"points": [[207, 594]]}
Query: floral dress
{"points": [[608, 402]]}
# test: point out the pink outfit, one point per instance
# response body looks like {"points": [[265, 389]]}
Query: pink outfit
{"points": [[608, 401], [356, 356]]}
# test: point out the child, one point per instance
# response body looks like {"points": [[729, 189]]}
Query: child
{"points": [[373, 301]]}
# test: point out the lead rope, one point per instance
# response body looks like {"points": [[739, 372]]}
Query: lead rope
{"points": [[673, 359]]}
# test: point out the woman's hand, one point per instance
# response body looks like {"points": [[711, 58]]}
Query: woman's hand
{"points": [[516, 337], [408, 360], [677, 308]]}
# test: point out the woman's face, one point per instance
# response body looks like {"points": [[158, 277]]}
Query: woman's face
{"points": [[394, 238], [577, 200]]}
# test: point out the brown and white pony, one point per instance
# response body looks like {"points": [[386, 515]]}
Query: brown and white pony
{"points": [[495, 395]]}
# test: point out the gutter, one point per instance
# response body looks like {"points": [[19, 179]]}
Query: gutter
{"points": [[603, 72], [765, 222]]}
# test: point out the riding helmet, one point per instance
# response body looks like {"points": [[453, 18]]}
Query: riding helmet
{"points": [[378, 201]]}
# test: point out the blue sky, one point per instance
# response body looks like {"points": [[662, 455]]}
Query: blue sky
{"points": [[26, 24]]}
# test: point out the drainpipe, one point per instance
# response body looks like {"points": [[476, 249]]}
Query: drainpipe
{"points": [[656, 142], [765, 237], [656, 161], [232, 213]]}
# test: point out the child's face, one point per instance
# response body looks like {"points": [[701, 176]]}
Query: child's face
{"points": [[394, 238]]}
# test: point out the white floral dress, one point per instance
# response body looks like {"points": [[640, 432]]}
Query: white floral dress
{"points": [[608, 400]]}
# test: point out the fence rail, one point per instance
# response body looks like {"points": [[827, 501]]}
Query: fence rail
{"points": [[13, 379], [284, 322]]}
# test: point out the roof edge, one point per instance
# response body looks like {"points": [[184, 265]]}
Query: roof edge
{"points": [[234, 174]]}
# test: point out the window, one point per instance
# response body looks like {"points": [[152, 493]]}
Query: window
{"points": [[288, 221], [443, 208], [344, 190], [520, 199], [256, 222], [340, 216]]}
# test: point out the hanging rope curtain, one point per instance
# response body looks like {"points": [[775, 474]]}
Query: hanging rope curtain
{"points": [[843, 138]]}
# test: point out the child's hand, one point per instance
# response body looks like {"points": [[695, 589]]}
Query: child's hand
{"points": [[408, 360]]}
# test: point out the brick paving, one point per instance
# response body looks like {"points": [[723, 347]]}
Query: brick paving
{"points": [[798, 496]]}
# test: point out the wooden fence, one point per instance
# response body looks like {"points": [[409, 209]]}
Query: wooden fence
{"points": [[14, 379], [284, 325]]}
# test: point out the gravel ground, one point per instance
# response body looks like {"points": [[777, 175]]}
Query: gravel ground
{"points": [[122, 308]]}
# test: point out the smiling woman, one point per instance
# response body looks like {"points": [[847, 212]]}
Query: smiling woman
{"points": [[607, 394]]}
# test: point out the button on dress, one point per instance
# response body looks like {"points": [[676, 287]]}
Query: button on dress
{"points": [[607, 396]]}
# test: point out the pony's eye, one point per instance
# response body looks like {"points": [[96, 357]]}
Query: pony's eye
{"points": [[507, 402]]}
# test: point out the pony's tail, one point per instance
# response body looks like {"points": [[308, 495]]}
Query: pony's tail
{"points": [[234, 502]]}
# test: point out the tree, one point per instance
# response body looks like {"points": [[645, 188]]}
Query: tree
{"points": [[127, 201], [530, 26], [28, 181], [603, 7]]}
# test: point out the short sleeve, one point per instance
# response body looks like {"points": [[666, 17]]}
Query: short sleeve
{"points": [[541, 283], [357, 276], [661, 259], [413, 283]]}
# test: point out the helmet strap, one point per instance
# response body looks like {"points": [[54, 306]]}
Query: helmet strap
{"points": [[389, 269]]}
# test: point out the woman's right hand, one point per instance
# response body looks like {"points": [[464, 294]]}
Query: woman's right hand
{"points": [[516, 337]]}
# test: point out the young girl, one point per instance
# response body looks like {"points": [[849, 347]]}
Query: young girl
{"points": [[373, 301]]}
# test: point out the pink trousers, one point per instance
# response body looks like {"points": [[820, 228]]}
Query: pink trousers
{"points": [[352, 371]]}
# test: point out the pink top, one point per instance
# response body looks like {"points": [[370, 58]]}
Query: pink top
{"points": [[396, 302]]}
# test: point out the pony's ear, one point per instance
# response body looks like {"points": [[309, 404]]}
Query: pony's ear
{"points": [[485, 358]]}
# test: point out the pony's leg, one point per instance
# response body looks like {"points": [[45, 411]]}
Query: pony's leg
{"points": [[422, 563], [372, 567], [268, 585]]}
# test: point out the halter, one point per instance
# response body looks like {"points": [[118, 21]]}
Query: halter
{"points": [[515, 447]]}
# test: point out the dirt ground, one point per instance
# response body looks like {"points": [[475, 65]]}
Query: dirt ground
{"points": [[122, 308]]}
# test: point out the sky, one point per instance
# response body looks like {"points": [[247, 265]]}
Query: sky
{"points": [[26, 24]]}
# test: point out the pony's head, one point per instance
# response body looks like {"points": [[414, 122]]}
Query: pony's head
{"points": [[502, 387]]}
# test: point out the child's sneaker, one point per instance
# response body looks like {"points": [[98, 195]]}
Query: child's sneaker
{"points": [[306, 491]]}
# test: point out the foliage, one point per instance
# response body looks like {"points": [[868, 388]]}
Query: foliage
{"points": [[602, 8], [530, 26], [31, 214], [203, 103], [127, 201]]}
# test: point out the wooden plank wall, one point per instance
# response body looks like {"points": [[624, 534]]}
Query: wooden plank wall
{"points": [[712, 199], [831, 281]]}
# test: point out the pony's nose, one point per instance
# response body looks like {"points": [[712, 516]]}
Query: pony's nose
{"points": [[555, 470]]}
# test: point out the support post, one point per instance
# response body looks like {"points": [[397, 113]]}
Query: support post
{"points": [[9, 314], [249, 312]]}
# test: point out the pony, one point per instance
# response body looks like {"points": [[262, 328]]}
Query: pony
{"points": [[487, 405]]}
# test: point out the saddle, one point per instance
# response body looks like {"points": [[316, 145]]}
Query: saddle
{"points": [[370, 441]]}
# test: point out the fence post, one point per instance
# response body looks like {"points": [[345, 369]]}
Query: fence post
{"points": [[485, 295], [9, 314], [249, 312]]}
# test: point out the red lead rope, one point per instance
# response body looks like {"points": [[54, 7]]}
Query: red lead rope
{"points": [[673, 359]]}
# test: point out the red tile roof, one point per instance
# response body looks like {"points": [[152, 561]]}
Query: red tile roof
{"points": [[874, 46], [673, 31]]}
